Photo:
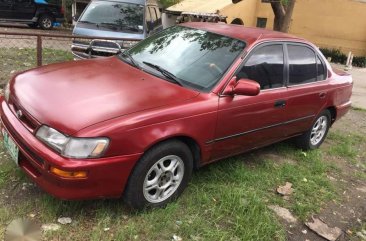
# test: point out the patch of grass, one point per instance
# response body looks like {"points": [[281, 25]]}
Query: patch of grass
{"points": [[227, 200], [13, 60], [345, 145], [358, 109]]}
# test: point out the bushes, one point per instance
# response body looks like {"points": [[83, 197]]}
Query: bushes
{"points": [[339, 57], [359, 61]]}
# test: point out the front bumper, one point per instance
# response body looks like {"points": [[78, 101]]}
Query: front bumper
{"points": [[106, 177]]}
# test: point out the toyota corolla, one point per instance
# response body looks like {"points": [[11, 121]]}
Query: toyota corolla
{"points": [[136, 125]]}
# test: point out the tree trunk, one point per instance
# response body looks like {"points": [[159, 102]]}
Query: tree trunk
{"points": [[283, 15]]}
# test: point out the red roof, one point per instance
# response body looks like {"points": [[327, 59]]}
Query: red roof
{"points": [[249, 35]]}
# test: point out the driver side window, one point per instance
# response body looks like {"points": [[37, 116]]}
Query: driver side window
{"points": [[266, 66]]}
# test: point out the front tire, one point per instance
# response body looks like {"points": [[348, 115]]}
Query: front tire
{"points": [[315, 136], [160, 176], [46, 22]]}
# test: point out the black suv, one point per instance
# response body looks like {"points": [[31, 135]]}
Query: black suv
{"points": [[32, 12]]}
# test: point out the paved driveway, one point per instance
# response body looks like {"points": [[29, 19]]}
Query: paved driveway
{"points": [[359, 86]]}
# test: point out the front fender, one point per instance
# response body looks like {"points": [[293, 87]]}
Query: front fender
{"points": [[136, 133]]}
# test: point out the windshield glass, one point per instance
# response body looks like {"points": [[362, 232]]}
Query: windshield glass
{"points": [[197, 58], [127, 17]]}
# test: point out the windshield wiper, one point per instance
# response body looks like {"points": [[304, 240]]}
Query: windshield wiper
{"points": [[132, 60], [82, 21], [165, 72]]}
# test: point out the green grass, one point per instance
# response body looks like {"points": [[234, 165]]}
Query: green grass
{"points": [[345, 145], [13, 60], [227, 200], [358, 109]]}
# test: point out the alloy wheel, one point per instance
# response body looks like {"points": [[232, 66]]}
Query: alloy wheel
{"points": [[318, 131], [163, 179]]}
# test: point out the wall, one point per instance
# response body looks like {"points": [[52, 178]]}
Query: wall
{"points": [[245, 10], [339, 24]]}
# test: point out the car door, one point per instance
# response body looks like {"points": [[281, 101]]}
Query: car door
{"points": [[5, 9], [246, 122], [307, 87], [24, 9]]}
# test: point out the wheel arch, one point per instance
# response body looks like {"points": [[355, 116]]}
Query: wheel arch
{"points": [[333, 114], [189, 141], [44, 12]]}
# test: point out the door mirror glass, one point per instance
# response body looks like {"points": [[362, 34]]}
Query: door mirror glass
{"points": [[246, 87]]}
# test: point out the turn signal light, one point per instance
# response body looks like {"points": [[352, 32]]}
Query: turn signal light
{"points": [[67, 174]]}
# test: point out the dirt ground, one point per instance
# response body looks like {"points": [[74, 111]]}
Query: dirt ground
{"points": [[349, 212]]}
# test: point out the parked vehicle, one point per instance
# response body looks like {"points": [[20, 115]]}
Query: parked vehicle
{"points": [[130, 20], [139, 123], [32, 12]]}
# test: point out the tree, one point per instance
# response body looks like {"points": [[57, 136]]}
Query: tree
{"points": [[168, 3], [282, 10]]}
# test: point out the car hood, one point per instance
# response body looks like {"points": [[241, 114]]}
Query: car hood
{"points": [[73, 95]]}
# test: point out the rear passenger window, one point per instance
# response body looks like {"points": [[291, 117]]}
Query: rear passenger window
{"points": [[265, 66], [320, 69], [302, 65]]}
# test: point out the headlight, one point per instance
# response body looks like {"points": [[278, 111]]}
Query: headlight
{"points": [[7, 92], [85, 147], [70, 146], [53, 138]]}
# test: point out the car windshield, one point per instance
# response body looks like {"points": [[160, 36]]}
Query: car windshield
{"points": [[127, 17], [192, 57]]}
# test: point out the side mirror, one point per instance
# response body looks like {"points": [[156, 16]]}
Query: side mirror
{"points": [[75, 18], [242, 87]]}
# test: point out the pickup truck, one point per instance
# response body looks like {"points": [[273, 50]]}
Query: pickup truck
{"points": [[34, 13]]}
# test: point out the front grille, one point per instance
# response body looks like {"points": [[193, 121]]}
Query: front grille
{"points": [[23, 116], [96, 48], [105, 44], [17, 138]]}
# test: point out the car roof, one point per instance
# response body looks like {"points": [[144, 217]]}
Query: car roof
{"points": [[246, 34]]}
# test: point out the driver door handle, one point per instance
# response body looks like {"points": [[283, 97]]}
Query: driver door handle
{"points": [[280, 104], [322, 95]]}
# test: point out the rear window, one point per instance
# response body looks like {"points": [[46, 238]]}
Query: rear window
{"points": [[126, 17], [302, 65]]}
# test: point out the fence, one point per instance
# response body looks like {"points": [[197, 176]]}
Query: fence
{"points": [[22, 51]]}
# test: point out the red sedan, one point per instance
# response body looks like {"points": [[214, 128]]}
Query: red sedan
{"points": [[137, 124]]}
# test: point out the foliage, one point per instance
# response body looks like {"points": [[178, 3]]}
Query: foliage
{"points": [[336, 55], [168, 3], [339, 57], [359, 61]]}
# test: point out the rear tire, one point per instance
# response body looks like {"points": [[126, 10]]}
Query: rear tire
{"points": [[315, 136], [46, 22], [160, 176]]}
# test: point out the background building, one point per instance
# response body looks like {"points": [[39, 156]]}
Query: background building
{"points": [[339, 24]]}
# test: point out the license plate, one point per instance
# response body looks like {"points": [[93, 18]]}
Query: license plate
{"points": [[11, 146]]}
